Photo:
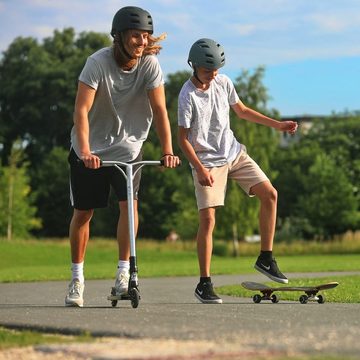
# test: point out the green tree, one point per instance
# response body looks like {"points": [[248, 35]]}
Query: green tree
{"points": [[328, 203], [51, 186], [37, 93], [38, 87], [312, 175], [16, 199]]}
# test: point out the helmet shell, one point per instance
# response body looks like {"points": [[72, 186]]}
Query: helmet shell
{"points": [[132, 17], [206, 53]]}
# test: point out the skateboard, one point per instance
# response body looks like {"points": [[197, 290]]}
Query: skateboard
{"points": [[311, 292]]}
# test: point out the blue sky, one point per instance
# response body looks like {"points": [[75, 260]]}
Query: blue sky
{"points": [[311, 49]]}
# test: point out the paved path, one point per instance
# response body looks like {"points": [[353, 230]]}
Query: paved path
{"points": [[170, 321]]}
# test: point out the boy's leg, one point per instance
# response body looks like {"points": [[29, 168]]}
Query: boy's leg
{"points": [[204, 240], [265, 263], [204, 290], [267, 195]]}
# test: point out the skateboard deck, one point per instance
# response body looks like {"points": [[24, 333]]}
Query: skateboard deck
{"points": [[267, 292]]}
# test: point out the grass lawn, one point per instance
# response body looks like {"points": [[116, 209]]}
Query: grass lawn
{"points": [[10, 338], [43, 260]]}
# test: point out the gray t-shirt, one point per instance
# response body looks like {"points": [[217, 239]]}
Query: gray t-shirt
{"points": [[121, 115], [206, 114]]}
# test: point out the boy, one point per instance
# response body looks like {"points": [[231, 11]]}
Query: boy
{"points": [[215, 155]]}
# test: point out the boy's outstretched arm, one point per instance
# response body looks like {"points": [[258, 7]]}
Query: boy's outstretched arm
{"points": [[243, 112]]}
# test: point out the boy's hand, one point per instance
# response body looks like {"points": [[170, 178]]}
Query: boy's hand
{"points": [[204, 177], [288, 126]]}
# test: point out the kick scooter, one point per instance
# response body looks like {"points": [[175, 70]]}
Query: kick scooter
{"points": [[133, 290]]}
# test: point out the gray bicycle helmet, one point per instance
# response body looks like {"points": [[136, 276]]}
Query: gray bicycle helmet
{"points": [[132, 17], [206, 53]]}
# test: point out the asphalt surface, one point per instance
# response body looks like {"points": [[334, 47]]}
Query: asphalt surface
{"points": [[169, 316]]}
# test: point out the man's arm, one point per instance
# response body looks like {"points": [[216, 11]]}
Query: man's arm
{"points": [[83, 103], [162, 126], [251, 115]]}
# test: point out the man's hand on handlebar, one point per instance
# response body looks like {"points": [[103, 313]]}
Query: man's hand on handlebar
{"points": [[170, 160], [91, 161]]}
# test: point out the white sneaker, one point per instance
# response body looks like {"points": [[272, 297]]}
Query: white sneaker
{"points": [[75, 295], [122, 282]]}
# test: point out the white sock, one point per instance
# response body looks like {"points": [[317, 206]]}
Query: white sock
{"points": [[77, 270], [123, 265]]}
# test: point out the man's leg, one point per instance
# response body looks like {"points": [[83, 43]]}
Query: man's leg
{"points": [[123, 234], [79, 237], [79, 234], [123, 238]]}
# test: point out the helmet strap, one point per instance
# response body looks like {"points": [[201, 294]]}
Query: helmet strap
{"points": [[195, 74], [122, 56], [197, 78]]}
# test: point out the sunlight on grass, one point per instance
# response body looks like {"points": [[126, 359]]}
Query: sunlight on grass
{"points": [[10, 338]]}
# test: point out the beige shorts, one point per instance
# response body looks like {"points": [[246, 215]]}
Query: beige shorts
{"points": [[244, 170]]}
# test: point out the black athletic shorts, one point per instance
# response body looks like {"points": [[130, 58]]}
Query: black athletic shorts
{"points": [[90, 188]]}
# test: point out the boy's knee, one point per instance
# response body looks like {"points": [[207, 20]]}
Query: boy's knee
{"points": [[207, 219]]}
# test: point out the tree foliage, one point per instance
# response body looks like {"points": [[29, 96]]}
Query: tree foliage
{"points": [[317, 178], [16, 200]]}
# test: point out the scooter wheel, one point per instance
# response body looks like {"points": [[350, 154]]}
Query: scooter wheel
{"points": [[134, 297]]}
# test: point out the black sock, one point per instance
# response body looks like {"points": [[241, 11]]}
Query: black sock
{"points": [[266, 255], [205, 279]]}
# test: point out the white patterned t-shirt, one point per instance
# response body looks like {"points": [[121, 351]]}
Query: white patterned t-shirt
{"points": [[206, 115]]}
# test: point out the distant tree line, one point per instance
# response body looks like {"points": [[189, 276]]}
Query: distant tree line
{"points": [[317, 177]]}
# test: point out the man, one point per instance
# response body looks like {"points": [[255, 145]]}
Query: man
{"points": [[215, 155], [120, 92]]}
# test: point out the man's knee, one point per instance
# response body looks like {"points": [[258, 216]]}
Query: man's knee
{"points": [[82, 216]]}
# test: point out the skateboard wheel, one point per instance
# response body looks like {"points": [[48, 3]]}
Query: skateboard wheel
{"points": [[134, 297], [275, 298], [321, 299], [303, 299], [113, 303], [257, 298]]}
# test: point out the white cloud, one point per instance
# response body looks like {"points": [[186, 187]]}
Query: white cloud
{"points": [[335, 23]]}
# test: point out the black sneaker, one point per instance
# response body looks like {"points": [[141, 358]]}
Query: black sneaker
{"points": [[271, 270], [205, 293]]}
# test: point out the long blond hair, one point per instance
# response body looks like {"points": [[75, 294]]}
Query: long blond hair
{"points": [[121, 55]]}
